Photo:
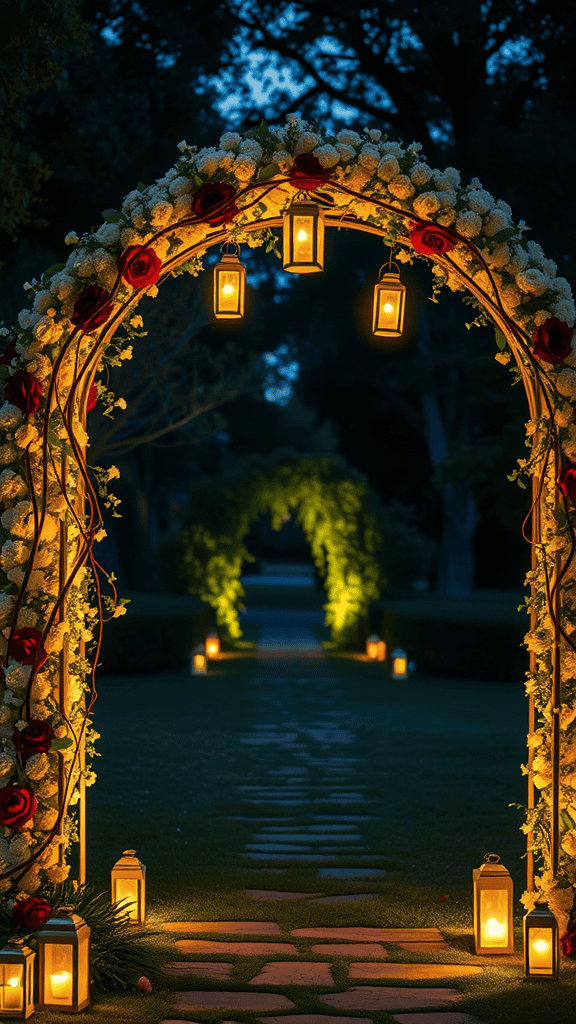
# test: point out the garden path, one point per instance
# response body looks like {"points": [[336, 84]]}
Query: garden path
{"points": [[309, 808]]}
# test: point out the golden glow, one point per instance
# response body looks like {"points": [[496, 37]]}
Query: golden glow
{"points": [[60, 983], [494, 917], [400, 666], [12, 982], [541, 947], [227, 289], [494, 929], [540, 953], [388, 307], [302, 236], [126, 890], [212, 646], [372, 650], [303, 250], [199, 662], [11, 994]]}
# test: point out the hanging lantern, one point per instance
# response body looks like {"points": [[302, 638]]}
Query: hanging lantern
{"points": [[16, 980], [229, 284], [212, 646], [64, 953], [303, 238], [129, 886], [493, 925], [375, 648], [399, 664], [389, 302], [541, 943], [198, 666]]}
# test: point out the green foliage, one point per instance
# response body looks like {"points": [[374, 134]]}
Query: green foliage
{"points": [[343, 522], [119, 952]]}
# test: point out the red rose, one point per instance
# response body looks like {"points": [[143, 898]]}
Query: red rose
{"points": [[91, 308], [431, 240], [23, 390], [140, 267], [568, 942], [31, 912], [307, 173], [24, 644], [566, 482], [35, 738], [8, 353], [208, 202], [92, 397], [553, 340], [17, 805]]}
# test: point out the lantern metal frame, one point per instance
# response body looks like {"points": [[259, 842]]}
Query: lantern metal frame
{"points": [[492, 877], [229, 264], [129, 869], [541, 917], [198, 650], [16, 954], [303, 208], [389, 281], [67, 929]]}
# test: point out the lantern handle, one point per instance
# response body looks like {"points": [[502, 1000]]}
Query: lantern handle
{"points": [[389, 265], [224, 249], [492, 858]]}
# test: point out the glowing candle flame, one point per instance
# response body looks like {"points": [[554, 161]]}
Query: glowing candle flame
{"points": [[302, 235], [494, 928], [227, 289], [540, 946], [60, 982], [12, 982], [388, 307]]}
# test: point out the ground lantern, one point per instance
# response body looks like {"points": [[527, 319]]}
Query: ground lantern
{"points": [[493, 925], [129, 886], [303, 238], [16, 980], [375, 648], [399, 664], [64, 974], [389, 302], [212, 646], [229, 285], [198, 666], [541, 943]]}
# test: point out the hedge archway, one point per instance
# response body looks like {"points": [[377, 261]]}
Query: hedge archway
{"points": [[83, 315]]}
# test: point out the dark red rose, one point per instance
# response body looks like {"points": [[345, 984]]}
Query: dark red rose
{"points": [[553, 340], [307, 172], [566, 482], [24, 644], [431, 240], [91, 308], [24, 390], [213, 202], [35, 738], [568, 942], [8, 353], [31, 912], [92, 397], [17, 805], [140, 267]]}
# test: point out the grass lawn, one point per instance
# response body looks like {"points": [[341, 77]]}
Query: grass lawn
{"points": [[439, 760]]}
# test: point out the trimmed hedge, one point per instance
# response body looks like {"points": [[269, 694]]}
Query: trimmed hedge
{"points": [[465, 648]]}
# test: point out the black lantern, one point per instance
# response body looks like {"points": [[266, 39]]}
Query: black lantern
{"points": [[16, 980], [389, 302], [229, 284], [541, 944], [303, 238]]}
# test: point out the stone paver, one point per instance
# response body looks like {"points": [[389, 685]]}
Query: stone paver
{"points": [[373, 934], [309, 1018], [236, 948], [225, 927], [361, 897], [258, 1002], [220, 971], [367, 997], [273, 894], [411, 972], [442, 1017], [372, 949], [294, 974], [423, 947]]}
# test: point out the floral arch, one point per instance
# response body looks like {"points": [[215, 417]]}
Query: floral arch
{"points": [[83, 315]]}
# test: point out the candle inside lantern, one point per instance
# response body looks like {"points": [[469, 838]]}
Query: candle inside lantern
{"points": [[126, 892], [59, 968], [199, 662], [541, 951], [229, 283], [494, 917], [60, 983], [212, 646], [12, 989], [303, 229]]}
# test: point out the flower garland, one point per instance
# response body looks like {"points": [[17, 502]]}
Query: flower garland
{"points": [[51, 604]]}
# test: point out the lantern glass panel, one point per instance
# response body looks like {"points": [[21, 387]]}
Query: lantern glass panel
{"points": [[494, 917], [127, 892], [58, 973], [199, 663], [400, 666], [228, 287], [372, 649], [83, 967], [212, 646], [541, 951], [12, 987]]}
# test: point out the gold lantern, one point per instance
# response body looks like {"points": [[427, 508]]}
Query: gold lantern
{"points": [[389, 302], [198, 666], [212, 646], [399, 664], [129, 886], [64, 974], [493, 925], [375, 648], [229, 284], [16, 980], [303, 238], [541, 943]]}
